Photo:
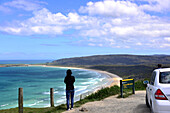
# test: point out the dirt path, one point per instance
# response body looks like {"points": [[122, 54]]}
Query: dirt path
{"points": [[132, 104]]}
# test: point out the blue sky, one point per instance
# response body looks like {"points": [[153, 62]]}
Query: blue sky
{"points": [[54, 29]]}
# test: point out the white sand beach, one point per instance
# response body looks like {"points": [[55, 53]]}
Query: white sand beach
{"points": [[115, 79]]}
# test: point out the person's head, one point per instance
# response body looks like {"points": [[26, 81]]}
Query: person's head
{"points": [[159, 65], [69, 72]]}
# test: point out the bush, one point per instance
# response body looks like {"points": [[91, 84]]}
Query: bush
{"points": [[139, 85], [103, 93]]}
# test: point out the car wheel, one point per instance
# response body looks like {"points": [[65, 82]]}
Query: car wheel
{"points": [[146, 100], [151, 109]]}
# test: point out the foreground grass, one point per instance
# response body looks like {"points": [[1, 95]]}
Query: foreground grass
{"points": [[99, 95]]}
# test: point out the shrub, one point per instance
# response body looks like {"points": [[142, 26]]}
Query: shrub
{"points": [[103, 93]]}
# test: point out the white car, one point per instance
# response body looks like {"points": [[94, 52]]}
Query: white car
{"points": [[158, 91]]}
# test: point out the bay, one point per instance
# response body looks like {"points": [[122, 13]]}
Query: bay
{"points": [[37, 81]]}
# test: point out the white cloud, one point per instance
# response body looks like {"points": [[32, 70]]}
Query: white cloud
{"points": [[165, 45], [27, 5], [74, 18], [44, 22], [117, 21], [4, 9], [121, 24], [92, 44], [45, 17], [156, 5], [167, 39], [112, 8], [139, 44], [122, 31], [93, 33]]}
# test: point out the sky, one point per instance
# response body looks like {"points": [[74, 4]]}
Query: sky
{"points": [[54, 29]]}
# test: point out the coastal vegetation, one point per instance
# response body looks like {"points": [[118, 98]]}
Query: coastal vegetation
{"points": [[113, 60], [12, 65], [137, 72], [137, 67]]}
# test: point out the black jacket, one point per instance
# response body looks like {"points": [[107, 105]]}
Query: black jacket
{"points": [[69, 81]]}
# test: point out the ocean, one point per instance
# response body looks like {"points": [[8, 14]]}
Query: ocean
{"points": [[37, 81], [24, 61]]}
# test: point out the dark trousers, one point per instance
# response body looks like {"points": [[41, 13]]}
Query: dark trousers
{"points": [[68, 92]]}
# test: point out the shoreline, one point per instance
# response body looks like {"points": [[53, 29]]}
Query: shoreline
{"points": [[113, 79]]}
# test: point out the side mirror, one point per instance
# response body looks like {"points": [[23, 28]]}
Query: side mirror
{"points": [[146, 82]]}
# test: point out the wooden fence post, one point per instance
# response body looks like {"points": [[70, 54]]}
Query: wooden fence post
{"points": [[121, 89], [133, 88], [20, 100], [52, 97]]}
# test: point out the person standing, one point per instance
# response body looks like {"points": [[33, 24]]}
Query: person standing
{"points": [[159, 66], [69, 81]]}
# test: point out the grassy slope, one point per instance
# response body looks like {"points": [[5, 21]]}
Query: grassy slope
{"points": [[126, 66], [114, 60], [131, 71], [136, 72]]}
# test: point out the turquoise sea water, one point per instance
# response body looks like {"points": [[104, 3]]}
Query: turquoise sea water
{"points": [[24, 61], [37, 81]]}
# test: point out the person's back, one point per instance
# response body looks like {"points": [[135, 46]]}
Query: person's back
{"points": [[69, 81], [159, 66]]}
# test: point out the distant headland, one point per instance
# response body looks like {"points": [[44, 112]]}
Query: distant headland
{"points": [[124, 65]]}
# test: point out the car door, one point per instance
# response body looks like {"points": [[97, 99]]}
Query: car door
{"points": [[151, 87]]}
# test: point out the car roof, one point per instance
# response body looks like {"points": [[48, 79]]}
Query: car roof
{"points": [[163, 69]]}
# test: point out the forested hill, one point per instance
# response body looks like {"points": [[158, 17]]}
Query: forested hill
{"points": [[114, 60]]}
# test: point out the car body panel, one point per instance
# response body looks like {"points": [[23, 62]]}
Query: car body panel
{"points": [[158, 106]]}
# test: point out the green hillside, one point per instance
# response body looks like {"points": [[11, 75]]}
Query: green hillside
{"points": [[137, 72], [126, 66], [114, 60]]}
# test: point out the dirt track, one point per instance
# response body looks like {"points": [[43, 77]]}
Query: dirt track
{"points": [[132, 104]]}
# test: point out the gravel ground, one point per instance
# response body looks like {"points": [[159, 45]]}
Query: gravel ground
{"points": [[133, 104]]}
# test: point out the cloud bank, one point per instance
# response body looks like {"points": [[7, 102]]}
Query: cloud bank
{"points": [[108, 23]]}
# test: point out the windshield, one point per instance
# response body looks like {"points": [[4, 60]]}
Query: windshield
{"points": [[165, 77]]}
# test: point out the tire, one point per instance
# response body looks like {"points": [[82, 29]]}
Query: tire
{"points": [[151, 109], [146, 100]]}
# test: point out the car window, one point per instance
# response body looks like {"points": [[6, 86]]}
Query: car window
{"points": [[153, 78], [164, 77]]}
